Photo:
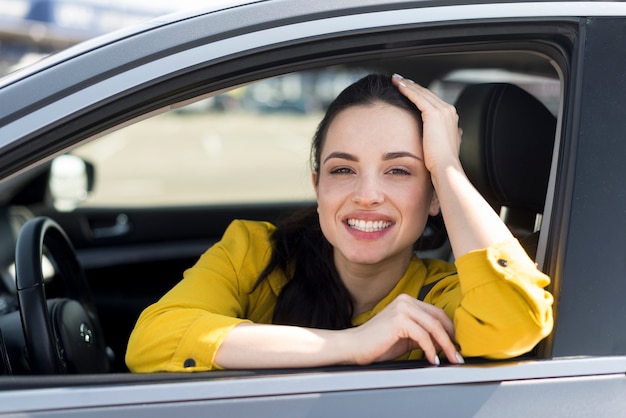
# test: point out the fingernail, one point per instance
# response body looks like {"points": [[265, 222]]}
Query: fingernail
{"points": [[460, 358], [402, 83], [436, 360], [398, 76]]}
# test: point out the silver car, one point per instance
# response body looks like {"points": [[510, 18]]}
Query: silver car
{"points": [[124, 157]]}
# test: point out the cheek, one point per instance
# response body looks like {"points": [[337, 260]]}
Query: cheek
{"points": [[416, 212], [324, 198], [330, 191], [328, 203], [418, 200], [330, 197], [326, 215]]}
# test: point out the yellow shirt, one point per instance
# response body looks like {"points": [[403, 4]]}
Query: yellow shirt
{"points": [[496, 300]]}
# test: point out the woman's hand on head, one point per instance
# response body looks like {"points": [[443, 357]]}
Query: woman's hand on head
{"points": [[441, 135], [405, 324]]}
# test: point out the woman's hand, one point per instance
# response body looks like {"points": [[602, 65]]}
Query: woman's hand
{"points": [[471, 222], [404, 325], [441, 135]]}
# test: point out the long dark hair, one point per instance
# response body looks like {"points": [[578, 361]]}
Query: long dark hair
{"points": [[314, 295]]}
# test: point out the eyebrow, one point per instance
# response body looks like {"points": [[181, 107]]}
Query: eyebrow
{"points": [[386, 157], [400, 154], [341, 155]]}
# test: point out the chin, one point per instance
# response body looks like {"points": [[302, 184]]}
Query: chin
{"points": [[364, 257]]}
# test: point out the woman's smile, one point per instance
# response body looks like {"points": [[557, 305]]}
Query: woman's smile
{"points": [[368, 226]]}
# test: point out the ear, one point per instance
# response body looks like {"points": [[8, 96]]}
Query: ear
{"points": [[314, 179], [434, 208]]}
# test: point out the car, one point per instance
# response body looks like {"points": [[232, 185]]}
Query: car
{"points": [[124, 157]]}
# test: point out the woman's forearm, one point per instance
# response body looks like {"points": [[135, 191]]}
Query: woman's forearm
{"points": [[250, 346], [470, 221], [404, 325]]}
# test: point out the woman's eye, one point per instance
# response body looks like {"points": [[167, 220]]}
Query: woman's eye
{"points": [[341, 170], [399, 171]]}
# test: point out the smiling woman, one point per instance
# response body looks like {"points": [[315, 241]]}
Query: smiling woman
{"points": [[321, 290]]}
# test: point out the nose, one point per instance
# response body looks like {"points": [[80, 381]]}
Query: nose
{"points": [[368, 191]]}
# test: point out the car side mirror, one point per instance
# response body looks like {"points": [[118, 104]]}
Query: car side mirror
{"points": [[71, 180]]}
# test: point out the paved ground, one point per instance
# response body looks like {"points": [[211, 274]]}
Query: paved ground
{"points": [[204, 157]]}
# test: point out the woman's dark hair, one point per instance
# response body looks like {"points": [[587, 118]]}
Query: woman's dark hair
{"points": [[314, 295]]}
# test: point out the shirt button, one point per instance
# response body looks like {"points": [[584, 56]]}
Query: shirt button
{"points": [[503, 263], [189, 363]]}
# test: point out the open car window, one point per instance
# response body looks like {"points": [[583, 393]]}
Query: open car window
{"points": [[237, 147], [248, 145], [144, 145]]}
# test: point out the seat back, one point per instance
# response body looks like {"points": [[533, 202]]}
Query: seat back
{"points": [[506, 151]]}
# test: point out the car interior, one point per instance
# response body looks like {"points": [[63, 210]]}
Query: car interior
{"points": [[499, 143], [132, 246]]}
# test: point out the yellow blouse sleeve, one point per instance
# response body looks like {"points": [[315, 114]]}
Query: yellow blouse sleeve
{"points": [[184, 329], [503, 310]]}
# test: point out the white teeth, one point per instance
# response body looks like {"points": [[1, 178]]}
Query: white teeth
{"points": [[368, 226]]}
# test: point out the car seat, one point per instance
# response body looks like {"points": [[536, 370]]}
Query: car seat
{"points": [[506, 151]]}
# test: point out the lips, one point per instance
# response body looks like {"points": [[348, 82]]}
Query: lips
{"points": [[368, 226]]}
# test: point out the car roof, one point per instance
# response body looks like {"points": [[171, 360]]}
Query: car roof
{"points": [[292, 9], [284, 11]]}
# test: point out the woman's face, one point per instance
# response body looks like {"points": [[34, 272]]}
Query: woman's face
{"points": [[373, 190]]}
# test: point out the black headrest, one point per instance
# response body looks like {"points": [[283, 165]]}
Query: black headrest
{"points": [[506, 151]]}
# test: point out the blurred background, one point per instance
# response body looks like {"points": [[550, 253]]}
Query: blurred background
{"points": [[31, 29]]}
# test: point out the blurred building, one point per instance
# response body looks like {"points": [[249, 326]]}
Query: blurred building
{"points": [[30, 29]]}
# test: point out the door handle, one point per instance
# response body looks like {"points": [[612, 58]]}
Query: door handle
{"points": [[120, 228]]}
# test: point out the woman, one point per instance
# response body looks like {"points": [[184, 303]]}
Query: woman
{"points": [[340, 284]]}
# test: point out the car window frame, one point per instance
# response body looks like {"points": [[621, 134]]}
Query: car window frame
{"points": [[131, 102]]}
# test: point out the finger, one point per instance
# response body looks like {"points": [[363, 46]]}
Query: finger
{"points": [[422, 339], [429, 103], [418, 94], [429, 342], [440, 315], [440, 327], [422, 324], [439, 336], [419, 310], [426, 325]]}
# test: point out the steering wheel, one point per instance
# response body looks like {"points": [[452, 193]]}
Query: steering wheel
{"points": [[61, 335]]}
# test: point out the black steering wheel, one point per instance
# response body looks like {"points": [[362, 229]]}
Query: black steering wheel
{"points": [[61, 335]]}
